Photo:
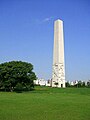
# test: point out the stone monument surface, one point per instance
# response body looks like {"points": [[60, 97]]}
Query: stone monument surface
{"points": [[58, 72]]}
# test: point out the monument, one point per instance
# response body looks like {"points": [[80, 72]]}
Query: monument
{"points": [[58, 72]]}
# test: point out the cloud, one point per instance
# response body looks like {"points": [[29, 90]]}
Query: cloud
{"points": [[47, 19], [38, 21]]}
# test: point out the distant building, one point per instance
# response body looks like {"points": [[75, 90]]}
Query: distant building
{"points": [[48, 83], [42, 82], [87, 83], [72, 83]]}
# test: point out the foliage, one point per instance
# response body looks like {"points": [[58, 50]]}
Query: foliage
{"points": [[15, 73], [88, 83], [67, 84], [80, 84], [19, 88]]}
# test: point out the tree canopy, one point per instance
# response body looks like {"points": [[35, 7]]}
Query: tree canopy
{"points": [[16, 75]]}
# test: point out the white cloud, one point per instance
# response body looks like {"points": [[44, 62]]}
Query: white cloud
{"points": [[47, 19], [38, 21]]}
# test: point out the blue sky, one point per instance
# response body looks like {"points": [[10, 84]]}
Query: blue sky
{"points": [[26, 34]]}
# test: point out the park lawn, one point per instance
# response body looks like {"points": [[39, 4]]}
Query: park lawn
{"points": [[46, 103]]}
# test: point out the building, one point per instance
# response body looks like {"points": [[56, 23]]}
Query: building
{"points": [[58, 72], [40, 82]]}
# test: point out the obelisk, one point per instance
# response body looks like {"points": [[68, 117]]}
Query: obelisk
{"points": [[58, 72]]}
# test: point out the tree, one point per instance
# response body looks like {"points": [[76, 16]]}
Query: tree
{"points": [[80, 84], [88, 83], [67, 84], [14, 73]]}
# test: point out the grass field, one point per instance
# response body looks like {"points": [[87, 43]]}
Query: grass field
{"points": [[46, 104]]}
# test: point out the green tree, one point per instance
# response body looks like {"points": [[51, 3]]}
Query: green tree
{"points": [[14, 72], [88, 83], [67, 84], [80, 84]]}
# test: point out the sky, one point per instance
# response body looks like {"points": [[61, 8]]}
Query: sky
{"points": [[27, 34]]}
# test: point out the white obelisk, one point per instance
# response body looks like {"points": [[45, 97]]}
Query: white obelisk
{"points": [[58, 72]]}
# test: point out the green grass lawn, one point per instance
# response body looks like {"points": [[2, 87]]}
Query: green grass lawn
{"points": [[46, 104]]}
